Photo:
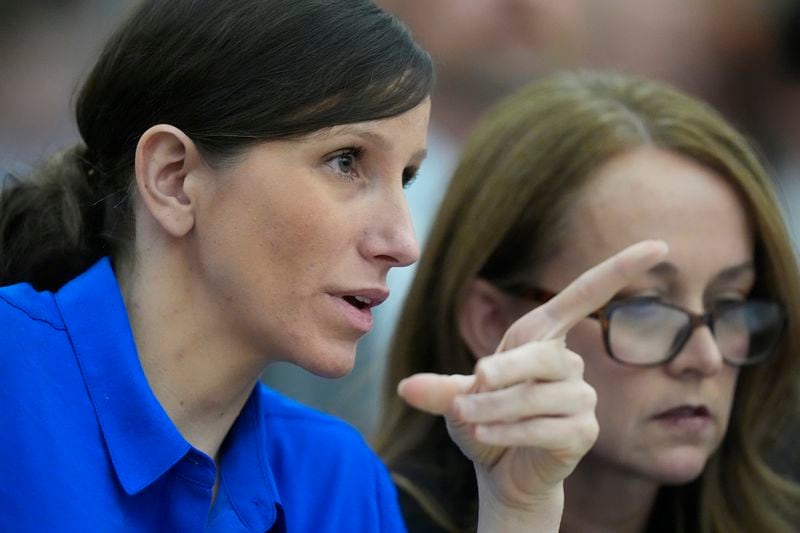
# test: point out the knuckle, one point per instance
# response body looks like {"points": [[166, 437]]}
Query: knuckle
{"points": [[592, 397], [511, 338], [551, 359], [546, 321], [493, 406], [526, 329], [484, 370], [589, 397], [584, 288], [576, 363], [532, 398], [528, 433], [588, 432], [458, 411]]}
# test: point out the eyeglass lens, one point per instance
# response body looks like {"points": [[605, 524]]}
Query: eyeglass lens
{"points": [[648, 332]]}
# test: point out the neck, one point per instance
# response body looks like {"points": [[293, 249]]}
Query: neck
{"points": [[201, 375], [603, 498]]}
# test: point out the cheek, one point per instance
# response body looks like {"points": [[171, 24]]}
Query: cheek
{"points": [[254, 248], [728, 380], [292, 241], [586, 340], [617, 392], [278, 236]]}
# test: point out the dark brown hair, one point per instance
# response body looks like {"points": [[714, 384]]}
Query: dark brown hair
{"points": [[228, 74]]}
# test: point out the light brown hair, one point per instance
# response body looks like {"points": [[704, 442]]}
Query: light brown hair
{"points": [[503, 214]]}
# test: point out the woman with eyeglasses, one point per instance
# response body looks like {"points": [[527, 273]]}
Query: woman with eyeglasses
{"points": [[695, 362]]}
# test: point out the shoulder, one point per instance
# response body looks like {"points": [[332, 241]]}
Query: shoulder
{"points": [[31, 329], [300, 422], [41, 387], [37, 349], [323, 467], [21, 305], [302, 442]]}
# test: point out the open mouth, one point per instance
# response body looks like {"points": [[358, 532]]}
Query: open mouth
{"points": [[359, 302]]}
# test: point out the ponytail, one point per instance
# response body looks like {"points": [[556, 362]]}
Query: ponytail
{"points": [[50, 225]]}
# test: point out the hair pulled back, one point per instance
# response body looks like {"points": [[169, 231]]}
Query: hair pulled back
{"points": [[229, 75]]}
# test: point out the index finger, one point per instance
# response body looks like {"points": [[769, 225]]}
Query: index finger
{"points": [[591, 290]]}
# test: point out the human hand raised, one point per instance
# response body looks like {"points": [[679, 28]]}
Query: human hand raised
{"points": [[526, 416]]}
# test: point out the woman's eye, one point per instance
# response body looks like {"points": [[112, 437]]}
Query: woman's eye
{"points": [[409, 176], [728, 302], [643, 295], [345, 163]]}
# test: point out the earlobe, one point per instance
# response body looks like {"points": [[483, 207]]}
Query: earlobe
{"points": [[165, 157], [484, 316]]}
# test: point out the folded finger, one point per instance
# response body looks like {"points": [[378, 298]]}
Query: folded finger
{"points": [[548, 360], [562, 436], [525, 401]]}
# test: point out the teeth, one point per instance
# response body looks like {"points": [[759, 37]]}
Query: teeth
{"points": [[363, 299]]}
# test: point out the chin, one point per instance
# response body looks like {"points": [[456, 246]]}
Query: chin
{"points": [[330, 362], [333, 372], [680, 466]]}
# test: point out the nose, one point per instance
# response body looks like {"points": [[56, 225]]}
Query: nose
{"points": [[700, 355], [391, 238]]}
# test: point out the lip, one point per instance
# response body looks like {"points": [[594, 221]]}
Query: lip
{"points": [[376, 296], [689, 418], [359, 318]]}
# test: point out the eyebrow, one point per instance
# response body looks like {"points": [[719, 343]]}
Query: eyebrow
{"points": [[735, 272], [374, 138], [666, 269]]}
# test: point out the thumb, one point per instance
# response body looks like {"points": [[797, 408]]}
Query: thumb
{"points": [[434, 393]]}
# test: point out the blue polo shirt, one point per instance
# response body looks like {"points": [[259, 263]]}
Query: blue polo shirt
{"points": [[86, 446]]}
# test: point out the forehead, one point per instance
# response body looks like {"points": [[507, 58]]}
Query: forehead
{"points": [[651, 193], [408, 127], [648, 180]]}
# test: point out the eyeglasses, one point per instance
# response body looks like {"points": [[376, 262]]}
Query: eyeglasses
{"points": [[645, 331]]}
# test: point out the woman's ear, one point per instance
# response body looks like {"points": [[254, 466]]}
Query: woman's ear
{"points": [[165, 157], [485, 314]]}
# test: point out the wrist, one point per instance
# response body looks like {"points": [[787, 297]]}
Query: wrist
{"points": [[537, 513]]}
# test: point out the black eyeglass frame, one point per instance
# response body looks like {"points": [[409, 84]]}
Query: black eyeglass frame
{"points": [[603, 315]]}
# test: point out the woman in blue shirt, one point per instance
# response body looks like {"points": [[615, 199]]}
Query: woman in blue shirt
{"points": [[237, 199]]}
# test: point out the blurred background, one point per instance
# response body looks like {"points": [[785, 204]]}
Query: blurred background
{"points": [[742, 56]]}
